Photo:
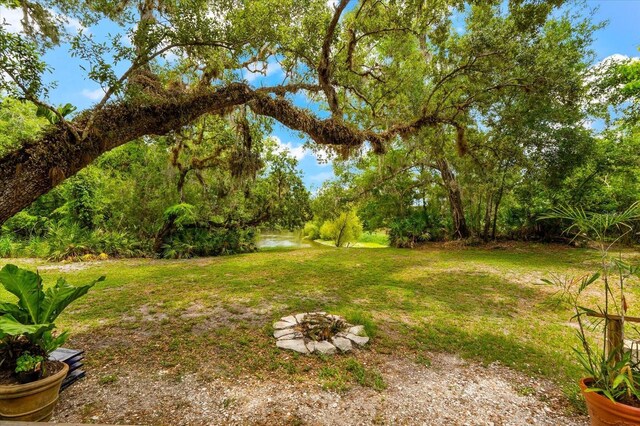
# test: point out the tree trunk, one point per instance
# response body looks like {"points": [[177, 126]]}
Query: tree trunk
{"points": [[497, 205], [487, 216], [460, 229]]}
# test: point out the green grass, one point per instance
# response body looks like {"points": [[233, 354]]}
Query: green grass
{"points": [[367, 240], [213, 316], [374, 239]]}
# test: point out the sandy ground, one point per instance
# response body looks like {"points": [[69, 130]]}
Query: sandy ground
{"points": [[448, 392]]}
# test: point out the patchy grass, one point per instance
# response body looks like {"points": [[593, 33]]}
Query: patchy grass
{"points": [[212, 317]]}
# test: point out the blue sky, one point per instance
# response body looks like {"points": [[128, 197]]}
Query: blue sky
{"points": [[620, 37]]}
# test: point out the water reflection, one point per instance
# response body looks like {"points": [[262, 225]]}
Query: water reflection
{"points": [[271, 239]]}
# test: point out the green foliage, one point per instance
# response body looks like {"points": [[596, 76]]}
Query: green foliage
{"points": [[24, 224], [6, 246], [311, 231], [18, 123], [209, 205], [54, 117], [612, 371], [29, 368], [377, 238], [27, 363], [409, 231], [194, 242], [343, 230], [28, 324]]}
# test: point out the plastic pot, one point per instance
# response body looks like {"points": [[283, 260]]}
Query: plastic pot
{"points": [[604, 412]]}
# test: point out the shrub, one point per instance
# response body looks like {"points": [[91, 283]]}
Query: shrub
{"points": [[408, 231], [191, 242], [6, 246], [326, 231], [311, 231], [24, 224], [115, 244], [343, 230], [35, 247]]}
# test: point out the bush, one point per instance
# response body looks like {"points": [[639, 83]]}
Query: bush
{"points": [[115, 244], [6, 246], [191, 242], [407, 232], [35, 247], [67, 242], [327, 230], [345, 229], [311, 231], [24, 224]]}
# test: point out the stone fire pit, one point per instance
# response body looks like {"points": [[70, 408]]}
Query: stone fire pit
{"points": [[318, 332]]}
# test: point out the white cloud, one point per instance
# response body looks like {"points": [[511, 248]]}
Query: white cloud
{"points": [[263, 70], [599, 71], [10, 18], [73, 25], [298, 152], [332, 4], [94, 95]]}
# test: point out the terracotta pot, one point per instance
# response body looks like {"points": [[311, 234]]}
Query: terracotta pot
{"points": [[33, 401], [604, 412]]}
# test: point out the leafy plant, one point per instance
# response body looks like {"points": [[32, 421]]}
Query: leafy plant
{"points": [[27, 326], [30, 368], [613, 372], [343, 230], [6, 246], [54, 117], [27, 363]]}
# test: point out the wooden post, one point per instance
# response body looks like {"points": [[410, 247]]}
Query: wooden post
{"points": [[614, 340]]}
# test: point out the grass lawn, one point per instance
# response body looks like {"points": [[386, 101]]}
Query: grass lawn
{"points": [[366, 240], [212, 317]]}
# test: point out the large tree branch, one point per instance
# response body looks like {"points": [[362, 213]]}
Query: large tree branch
{"points": [[326, 132], [38, 166], [324, 66]]}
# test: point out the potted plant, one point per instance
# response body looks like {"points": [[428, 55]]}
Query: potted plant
{"points": [[29, 381], [612, 385]]}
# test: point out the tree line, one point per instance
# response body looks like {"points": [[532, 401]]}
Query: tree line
{"points": [[447, 119]]}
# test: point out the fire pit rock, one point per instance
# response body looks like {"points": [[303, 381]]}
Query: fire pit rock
{"points": [[318, 332]]}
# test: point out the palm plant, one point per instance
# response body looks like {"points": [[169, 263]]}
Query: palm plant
{"points": [[615, 374]]}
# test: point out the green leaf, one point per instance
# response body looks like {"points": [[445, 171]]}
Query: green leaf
{"points": [[588, 281], [50, 343], [619, 379], [66, 109], [9, 326], [58, 297], [14, 310], [27, 286]]}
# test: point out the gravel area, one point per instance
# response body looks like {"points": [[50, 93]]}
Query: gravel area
{"points": [[450, 391]]}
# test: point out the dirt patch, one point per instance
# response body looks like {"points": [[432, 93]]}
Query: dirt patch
{"points": [[448, 392], [66, 267], [150, 313]]}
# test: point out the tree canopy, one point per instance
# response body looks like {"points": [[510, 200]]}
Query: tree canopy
{"points": [[382, 71]]}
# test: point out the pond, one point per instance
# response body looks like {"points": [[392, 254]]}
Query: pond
{"points": [[286, 239]]}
